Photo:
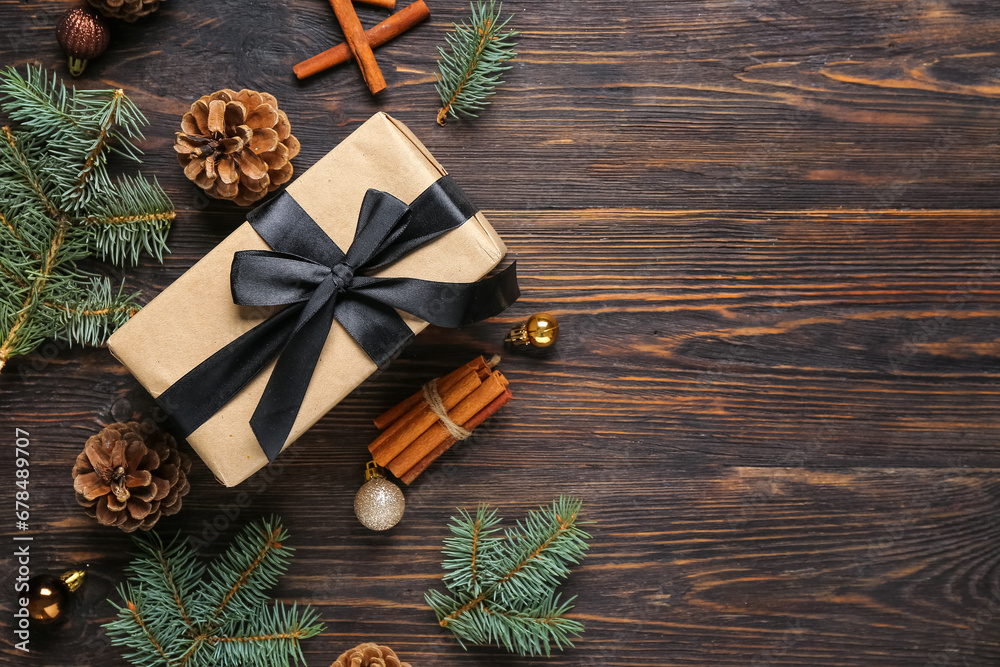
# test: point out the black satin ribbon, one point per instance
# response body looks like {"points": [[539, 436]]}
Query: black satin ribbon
{"points": [[319, 283]]}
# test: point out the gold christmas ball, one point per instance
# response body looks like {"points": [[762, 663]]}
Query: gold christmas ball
{"points": [[540, 330], [379, 504], [543, 330]]}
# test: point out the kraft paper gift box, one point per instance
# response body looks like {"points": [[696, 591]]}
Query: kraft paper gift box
{"points": [[195, 316]]}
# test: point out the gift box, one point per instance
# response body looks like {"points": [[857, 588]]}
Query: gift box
{"points": [[275, 326]]}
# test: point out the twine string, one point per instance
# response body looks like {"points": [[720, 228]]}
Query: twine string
{"points": [[436, 404], [434, 401]]}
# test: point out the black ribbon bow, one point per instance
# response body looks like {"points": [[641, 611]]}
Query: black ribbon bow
{"points": [[319, 283]]}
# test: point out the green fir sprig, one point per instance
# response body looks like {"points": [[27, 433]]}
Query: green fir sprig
{"points": [[172, 617], [503, 589], [479, 52], [58, 205]]}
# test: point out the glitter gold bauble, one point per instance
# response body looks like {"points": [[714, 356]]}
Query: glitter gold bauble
{"points": [[379, 503]]}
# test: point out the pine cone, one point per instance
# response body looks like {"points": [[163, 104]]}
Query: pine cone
{"points": [[236, 146], [129, 10], [369, 655], [128, 477]]}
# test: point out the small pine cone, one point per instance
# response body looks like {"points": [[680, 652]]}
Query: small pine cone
{"points": [[129, 10], [369, 655], [236, 146], [128, 477]]}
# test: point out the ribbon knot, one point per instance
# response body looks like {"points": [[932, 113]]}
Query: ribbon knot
{"points": [[319, 283], [343, 274]]}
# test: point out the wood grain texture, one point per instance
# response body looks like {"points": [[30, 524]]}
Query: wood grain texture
{"points": [[769, 231]]}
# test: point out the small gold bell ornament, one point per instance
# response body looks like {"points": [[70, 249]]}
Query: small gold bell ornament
{"points": [[379, 503], [49, 596], [540, 330]]}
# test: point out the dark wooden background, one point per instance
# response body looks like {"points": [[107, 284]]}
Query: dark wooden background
{"points": [[769, 230]]}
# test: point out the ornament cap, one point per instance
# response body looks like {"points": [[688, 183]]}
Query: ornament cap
{"points": [[541, 330], [73, 579], [373, 469]]}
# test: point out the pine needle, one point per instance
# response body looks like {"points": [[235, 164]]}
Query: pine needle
{"points": [[502, 590], [479, 51]]}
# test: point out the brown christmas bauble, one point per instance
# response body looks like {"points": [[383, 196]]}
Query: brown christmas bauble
{"points": [[47, 599], [369, 655], [236, 146], [128, 10], [83, 35], [49, 596], [129, 475]]}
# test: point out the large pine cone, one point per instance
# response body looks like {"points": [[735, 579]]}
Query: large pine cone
{"points": [[129, 475], [236, 146], [369, 655], [128, 10]]}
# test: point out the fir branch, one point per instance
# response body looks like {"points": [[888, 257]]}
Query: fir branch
{"points": [[28, 174], [479, 51], [14, 342], [171, 621], [94, 157], [509, 597], [15, 261], [271, 638], [150, 637], [538, 553], [108, 310], [468, 547], [134, 629], [58, 205], [135, 220], [245, 573], [172, 574], [37, 102], [528, 632]]}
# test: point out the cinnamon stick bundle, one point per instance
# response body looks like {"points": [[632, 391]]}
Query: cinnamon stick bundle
{"points": [[414, 435], [470, 425]]}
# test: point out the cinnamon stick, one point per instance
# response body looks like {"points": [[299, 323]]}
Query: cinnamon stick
{"points": [[445, 385], [481, 416], [408, 428], [387, 30], [436, 433], [384, 4], [356, 40]]}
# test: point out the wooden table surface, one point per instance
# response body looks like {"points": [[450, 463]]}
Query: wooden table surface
{"points": [[769, 231]]}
